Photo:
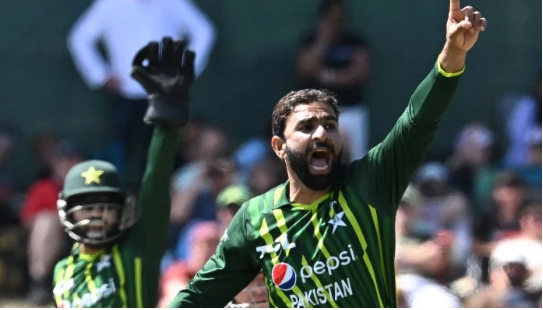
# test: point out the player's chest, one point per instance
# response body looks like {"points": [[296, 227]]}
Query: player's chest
{"points": [[86, 284], [318, 236], [308, 232], [309, 255]]}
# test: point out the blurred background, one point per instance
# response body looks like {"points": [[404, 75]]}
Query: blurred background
{"points": [[469, 226]]}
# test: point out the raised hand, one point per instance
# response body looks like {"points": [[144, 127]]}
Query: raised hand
{"points": [[167, 78], [463, 26]]}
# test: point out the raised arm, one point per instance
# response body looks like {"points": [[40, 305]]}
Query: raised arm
{"points": [[383, 175], [166, 79]]}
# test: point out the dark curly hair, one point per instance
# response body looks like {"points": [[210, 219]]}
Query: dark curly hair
{"points": [[284, 107]]}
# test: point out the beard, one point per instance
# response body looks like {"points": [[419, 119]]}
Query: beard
{"points": [[299, 164]]}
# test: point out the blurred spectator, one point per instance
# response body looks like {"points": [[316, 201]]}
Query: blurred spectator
{"points": [[525, 117], [7, 177], [444, 213], [229, 202], [204, 238], [419, 262], [531, 170], [267, 174], [527, 244], [508, 275], [44, 145], [189, 143], [195, 185], [198, 202], [125, 26], [209, 143], [255, 294], [499, 219], [533, 138], [40, 217], [470, 164], [251, 152], [332, 57], [491, 296]]}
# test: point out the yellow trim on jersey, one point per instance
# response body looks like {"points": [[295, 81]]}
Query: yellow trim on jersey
{"points": [[281, 223], [446, 74], [137, 266], [319, 285], [58, 278], [69, 273], [275, 259], [322, 248], [265, 234], [362, 239], [89, 280], [270, 300], [378, 232], [317, 234], [277, 194], [312, 206], [120, 272], [91, 257]]}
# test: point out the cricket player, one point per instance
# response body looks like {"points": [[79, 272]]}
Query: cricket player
{"points": [[115, 261], [325, 238]]}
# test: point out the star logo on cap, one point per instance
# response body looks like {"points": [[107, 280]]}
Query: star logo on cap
{"points": [[92, 175]]}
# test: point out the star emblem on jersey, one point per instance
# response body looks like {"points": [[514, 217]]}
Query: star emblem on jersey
{"points": [[92, 175], [337, 221], [104, 262]]}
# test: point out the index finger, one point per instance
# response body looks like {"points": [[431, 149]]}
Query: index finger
{"points": [[149, 52], [454, 5]]}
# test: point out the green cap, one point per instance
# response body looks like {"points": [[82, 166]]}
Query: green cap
{"points": [[234, 194], [90, 177]]}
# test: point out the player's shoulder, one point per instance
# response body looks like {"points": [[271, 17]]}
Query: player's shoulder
{"points": [[60, 265]]}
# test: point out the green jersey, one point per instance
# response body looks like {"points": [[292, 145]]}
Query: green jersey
{"points": [[126, 274], [338, 251]]}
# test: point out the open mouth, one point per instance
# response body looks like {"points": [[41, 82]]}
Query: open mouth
{"points": [[95, 233], [320, 161]]}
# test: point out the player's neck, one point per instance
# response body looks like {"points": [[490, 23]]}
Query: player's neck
{"points": [[299, 193], [88, 250]]}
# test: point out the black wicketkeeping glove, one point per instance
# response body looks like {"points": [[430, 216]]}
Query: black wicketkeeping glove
{"points": [[166, 78]]}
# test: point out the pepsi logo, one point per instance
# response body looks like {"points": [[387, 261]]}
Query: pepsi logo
{"points": [[284, 276]]}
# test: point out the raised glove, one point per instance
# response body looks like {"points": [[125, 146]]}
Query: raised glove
{"points": [[167, 78]]}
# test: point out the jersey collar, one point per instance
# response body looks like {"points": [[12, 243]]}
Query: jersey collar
{"points": [[280, 198], [88, 257]]}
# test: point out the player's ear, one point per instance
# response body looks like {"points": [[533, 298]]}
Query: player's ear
{"points": [[278, 146]]}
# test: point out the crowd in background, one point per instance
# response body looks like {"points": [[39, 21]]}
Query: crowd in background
{"points": [[468, 228]]}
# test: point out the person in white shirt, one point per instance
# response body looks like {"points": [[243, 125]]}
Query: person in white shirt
{"points": [[124, 26]]}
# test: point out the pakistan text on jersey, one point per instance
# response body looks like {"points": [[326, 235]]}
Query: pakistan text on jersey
{"points": [[322, 295], [325, 293]]}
